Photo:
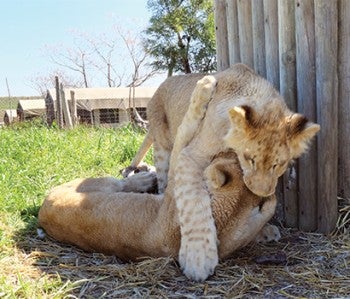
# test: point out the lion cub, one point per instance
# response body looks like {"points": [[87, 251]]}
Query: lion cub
{"points": [[110, 216], [232, 110]]}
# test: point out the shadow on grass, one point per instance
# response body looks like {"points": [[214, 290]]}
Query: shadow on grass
{"points": [[92, 275]]}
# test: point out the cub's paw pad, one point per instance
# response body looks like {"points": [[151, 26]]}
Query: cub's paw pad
{"points": [[142, 182], [132, 170], [204, 90], [268, 233], [198, 261]]}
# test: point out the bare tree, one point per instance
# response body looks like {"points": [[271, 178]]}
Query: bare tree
{"points": [[41, 83], [105, 49], [141, 72], [77, 59], [117, 59], [139, 58]]}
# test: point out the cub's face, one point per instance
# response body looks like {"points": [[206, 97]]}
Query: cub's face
{"points": [[265, 147], [263, 161]]}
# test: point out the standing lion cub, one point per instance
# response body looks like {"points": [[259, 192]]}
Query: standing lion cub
{"points": [[239, 111]]}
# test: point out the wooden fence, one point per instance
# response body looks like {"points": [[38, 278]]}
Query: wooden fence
{"points": [[303, 48]]}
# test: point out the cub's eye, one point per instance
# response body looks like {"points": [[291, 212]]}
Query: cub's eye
{"points": [[250, 159], [274, 166]]}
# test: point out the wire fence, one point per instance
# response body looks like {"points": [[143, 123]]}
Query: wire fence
{"points": [[105, 112]]}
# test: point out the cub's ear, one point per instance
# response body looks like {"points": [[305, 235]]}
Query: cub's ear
{"points": [[243, 116], [300, 132], [215, 176]]}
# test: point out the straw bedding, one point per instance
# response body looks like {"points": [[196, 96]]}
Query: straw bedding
{"points": [[299, 265]]}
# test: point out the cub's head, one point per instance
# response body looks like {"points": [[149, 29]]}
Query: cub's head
{"points": [[266, 144]]}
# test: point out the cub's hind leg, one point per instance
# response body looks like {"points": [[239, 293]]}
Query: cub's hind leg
{"points": [[161, 161]]}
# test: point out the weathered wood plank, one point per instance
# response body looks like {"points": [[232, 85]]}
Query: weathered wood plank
{"points": [[258, 37], [271, 41], [244, 11], [65, 109], [306, 90], [326, 21], [287, 72], [73, 108], [222, 50], [232, 32], [272, 67], [58, 104], [50, 109], [344, 99]]}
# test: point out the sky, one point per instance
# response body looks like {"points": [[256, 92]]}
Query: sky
{"points": [[29, 27]]}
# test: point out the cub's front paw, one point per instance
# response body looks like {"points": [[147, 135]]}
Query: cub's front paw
{"points": [[204, 91], [198, 259], [141, 182], [205, 88], [268, 233]]}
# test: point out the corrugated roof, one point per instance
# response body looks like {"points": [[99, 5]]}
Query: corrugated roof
{"points": [[32, 104], [108, 98]]}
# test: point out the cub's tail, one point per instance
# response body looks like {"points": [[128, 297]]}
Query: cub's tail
{"points": [[145, 146]]}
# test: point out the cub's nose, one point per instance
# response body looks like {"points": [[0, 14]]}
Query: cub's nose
{"points": [[260, 186]]}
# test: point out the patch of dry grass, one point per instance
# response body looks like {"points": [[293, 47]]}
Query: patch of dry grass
{"points": [[316, 266]]}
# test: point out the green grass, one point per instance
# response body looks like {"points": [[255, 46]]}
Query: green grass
{"points": [[33, 159]]}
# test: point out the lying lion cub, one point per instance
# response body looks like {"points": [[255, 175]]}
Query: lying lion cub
{"points": [[97, 214]]}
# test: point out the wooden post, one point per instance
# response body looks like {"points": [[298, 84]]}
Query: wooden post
{"points": [[221, 35], [258, 37], [74, 108], [96, 119], [272, 66], [302, 47], [65, 109], [287, 78], [326, 21], [244, 11], [344, 99], [271, 42], [58, 104], [306, 90], [50, 109], [232, 32]]}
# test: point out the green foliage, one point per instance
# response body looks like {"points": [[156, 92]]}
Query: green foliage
{"points": [[181, 35], [33, 159]]}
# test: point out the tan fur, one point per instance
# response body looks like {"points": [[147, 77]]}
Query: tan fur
{"points": [[91, 214], [231, 110], [268, 233], [246, 114]]}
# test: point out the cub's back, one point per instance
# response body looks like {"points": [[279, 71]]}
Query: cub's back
{"points": [[168, 106]]}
